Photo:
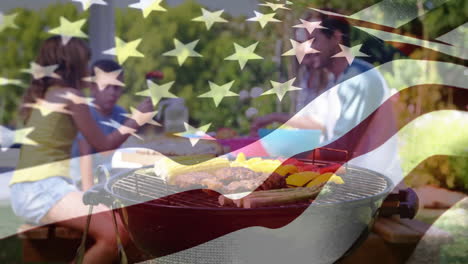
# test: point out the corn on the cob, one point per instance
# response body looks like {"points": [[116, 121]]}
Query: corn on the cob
{"points": [[323, 178], [284, 170], [167, 168], [301, 178]]}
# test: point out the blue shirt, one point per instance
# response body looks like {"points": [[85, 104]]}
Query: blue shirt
{"points": [[116, 115]]}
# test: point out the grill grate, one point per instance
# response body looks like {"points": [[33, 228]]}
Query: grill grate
{"points": [[143, 187]]}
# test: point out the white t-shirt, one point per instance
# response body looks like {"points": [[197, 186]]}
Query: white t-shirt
{"points": [[347, 101], [325, 109]]}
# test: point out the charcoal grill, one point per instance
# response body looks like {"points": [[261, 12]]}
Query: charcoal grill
{"points": [[137, 187], [163, 220]]}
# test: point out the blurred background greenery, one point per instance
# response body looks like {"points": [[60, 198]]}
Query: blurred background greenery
{"points": [[19, 48]]}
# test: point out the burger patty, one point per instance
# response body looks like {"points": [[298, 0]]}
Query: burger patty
{"points": [[231, 180]]}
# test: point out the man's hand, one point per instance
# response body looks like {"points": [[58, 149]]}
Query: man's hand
{"points": [[265, 121], [146, 106]]}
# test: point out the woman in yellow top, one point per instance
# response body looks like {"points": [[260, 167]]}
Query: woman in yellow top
{"points": [[41, 188]]}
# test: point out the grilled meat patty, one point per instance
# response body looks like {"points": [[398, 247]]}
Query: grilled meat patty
{"points": [[230, 174], [231, 180], [192, 179]]}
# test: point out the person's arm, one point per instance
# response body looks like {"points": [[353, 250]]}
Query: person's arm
{"points": [[91, 132], [264, 121], [297, 121], [304, 122], [86, 165], [314, 114]]}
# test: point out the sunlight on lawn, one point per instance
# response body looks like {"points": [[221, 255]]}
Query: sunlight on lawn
{"points": [[436, 133]]}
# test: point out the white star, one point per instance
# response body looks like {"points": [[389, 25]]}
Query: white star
{"points": [[309, 26], [5, 81], [124, 130], [103, 79], [219, 92], [286, 2], [210, 18], [350, 53], [7, 21], [243, 55], [87, 3], [10, 137], [263, 19], [142, 118], [124, 50], [325, 12], [157, 92], [183, 51], [67, 30], [47, 108], [200, 132], [301, 49], [77, 100], [147, 6], [39, 72], [280, 89], [274, 6]]}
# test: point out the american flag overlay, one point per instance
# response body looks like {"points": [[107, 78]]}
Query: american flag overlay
{"points": [[217, 131]]}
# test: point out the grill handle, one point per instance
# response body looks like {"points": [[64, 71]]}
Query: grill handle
{"points": [[97, 195], [405, 203]]}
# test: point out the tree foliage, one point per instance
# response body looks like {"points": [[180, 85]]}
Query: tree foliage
{"points": [[191, 79], [20, 46]]}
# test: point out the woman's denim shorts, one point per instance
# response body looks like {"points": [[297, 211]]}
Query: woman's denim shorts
{"points": [[33, 200]]}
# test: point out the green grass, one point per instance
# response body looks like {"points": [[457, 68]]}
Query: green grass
{"points": [[438, 133], [10, 248], [9, 222], [454, 221]]}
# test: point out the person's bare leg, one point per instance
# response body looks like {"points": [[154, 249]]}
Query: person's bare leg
{"points": [[71, 212]]}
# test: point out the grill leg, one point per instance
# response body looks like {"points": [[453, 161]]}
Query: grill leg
{"points": [[81, 250], [123, 256]]}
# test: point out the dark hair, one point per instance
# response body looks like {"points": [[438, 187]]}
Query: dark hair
{"points": [[333, 24], [72, 61], [106, 65]]}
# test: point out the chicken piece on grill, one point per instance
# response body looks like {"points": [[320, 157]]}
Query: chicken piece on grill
{"points": [[247, 174], [212, 183], [191, 179], [231, 180], [241, 186], [230, 174], [225, 174]]}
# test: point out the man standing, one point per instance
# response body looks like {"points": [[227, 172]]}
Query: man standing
{"points": [[352, 90]]}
